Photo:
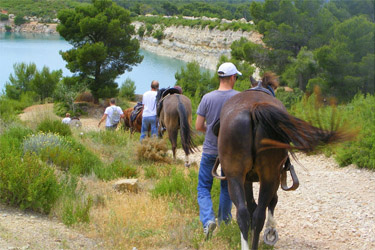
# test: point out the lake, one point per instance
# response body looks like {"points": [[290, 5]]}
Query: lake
{"points": [[43, 50]]}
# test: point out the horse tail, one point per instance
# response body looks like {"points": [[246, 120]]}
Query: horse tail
{"points": [[185, 129], [286, 131]]}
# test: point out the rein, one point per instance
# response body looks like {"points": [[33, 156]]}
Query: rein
{"points": [[260, 88]]}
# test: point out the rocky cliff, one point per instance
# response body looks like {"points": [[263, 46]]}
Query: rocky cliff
{"points": [[195, 44]]}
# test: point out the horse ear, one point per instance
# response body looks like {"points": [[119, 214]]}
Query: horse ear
{"points": [[253, 81]]}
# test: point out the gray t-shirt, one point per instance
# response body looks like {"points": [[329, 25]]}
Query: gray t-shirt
{"points": [[210, 108]]}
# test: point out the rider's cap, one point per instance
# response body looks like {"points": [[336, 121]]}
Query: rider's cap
{"points": [[228, 69]]}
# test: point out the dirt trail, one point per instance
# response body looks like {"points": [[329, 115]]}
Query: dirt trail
{"points": [[332, 209]]}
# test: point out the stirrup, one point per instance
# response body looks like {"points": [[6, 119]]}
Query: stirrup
{"points": [[293, 174]]}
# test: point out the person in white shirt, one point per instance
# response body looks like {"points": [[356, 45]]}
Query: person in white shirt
{"points": [[149, 117], [112, 115], [67, 119]]}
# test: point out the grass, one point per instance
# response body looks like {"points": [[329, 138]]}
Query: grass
{"points": [[162, 215]]}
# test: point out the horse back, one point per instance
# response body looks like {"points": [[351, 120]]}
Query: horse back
{"points": [[170, 105]]}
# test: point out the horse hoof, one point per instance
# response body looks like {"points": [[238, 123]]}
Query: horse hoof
{"points": [[187, 164], [270, 236]]}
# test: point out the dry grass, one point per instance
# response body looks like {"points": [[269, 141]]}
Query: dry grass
{"points": [[33, 115], [153, 149], [137, 220]]}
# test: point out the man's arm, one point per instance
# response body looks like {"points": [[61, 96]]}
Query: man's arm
{"points": [[103, 118], [200, 124]]}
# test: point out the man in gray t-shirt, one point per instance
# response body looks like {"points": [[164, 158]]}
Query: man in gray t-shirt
{"points": [[207, 114]]}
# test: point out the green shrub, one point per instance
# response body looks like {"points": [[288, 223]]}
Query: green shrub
{"points": [[60, 108], [18, 20], [3, 17], [361, 113], [289, 98], [114, 138], [39, 142], [127, 89], [151, 172], [54, 126], [67, 154], [115, 170], [27, 183], [9, 108], [158, 34], [182, 189], [73, 206], [141, 31]]}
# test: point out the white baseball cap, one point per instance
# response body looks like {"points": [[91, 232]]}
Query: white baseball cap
{"points": [[228, 69]]}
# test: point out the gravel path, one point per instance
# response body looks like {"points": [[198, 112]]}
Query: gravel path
{"points": [[333, 208]]}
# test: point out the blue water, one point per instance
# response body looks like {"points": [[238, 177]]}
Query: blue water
{"points": [[43, 50]]}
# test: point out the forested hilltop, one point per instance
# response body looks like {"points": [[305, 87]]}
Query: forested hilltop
{"points": [[234, 9]]}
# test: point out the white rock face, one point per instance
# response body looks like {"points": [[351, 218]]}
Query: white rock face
{"points": [[195, 44]]}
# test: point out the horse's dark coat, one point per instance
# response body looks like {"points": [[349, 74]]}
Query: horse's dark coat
{"points": [[256, 133]]}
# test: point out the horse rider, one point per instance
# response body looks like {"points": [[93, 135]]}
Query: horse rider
{"points": [[149, 117], [207, 114]]}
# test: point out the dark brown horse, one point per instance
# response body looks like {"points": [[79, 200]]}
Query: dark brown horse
{"points": [[256, 133], [134, 126], [176, 113]]}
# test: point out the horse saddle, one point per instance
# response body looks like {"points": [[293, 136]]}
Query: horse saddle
{"points": [[137, 109], [267, 90], [162, 93]]}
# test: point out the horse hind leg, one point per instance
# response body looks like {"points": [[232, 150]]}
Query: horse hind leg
{"points": [[270, 233], [267, 193], [172, 133], [237, 194]]}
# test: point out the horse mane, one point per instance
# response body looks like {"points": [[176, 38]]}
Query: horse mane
{"points": [[270, 79]]}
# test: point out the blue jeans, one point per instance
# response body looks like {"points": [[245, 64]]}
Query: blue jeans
{"points": [[205, 180], [146, 122]]}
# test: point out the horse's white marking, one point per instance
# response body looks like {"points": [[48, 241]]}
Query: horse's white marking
{"points": [[187, 160], [271, 222], [244, 243]]}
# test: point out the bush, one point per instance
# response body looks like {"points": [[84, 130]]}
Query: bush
{"points": [[127, 90], [152, 149], [18, 20], [67, 154], [28, 183], [141, 31], [361, 151], [181, 189], [85, 97], [39, 142], [115, 170], [108, 137], [73, 206], [158, 34], [9, 108], [289, 98], [54, 126], [4, 17], [11, 140]]}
